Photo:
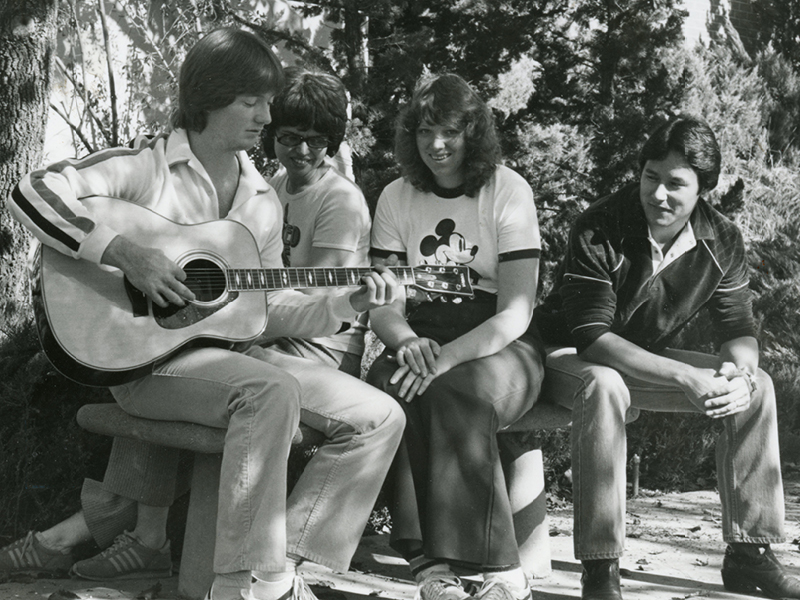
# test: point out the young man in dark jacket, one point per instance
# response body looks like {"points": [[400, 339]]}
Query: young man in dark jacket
{"points": [[639, 265]]}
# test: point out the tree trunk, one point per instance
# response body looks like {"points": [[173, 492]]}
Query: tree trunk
{"points": [[27, 43], [354, 47]]}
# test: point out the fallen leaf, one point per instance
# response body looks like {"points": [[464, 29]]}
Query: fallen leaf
{"points": [[150, 593]]}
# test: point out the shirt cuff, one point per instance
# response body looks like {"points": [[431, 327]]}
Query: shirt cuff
{"points": [[341, 307], [94, 245]]}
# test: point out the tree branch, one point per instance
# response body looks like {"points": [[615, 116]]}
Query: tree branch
{"points": [[294, 42], [74, 128], [112, 88], [87, 105]]}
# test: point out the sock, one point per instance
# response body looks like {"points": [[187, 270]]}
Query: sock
{"points": [[229, 586], [515, 578], [431, 567], [598, 562], [270, 586], [50, 548], [751, 550], [139, 539]]}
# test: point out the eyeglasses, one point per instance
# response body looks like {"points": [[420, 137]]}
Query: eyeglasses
{"points": [[292, 139]]}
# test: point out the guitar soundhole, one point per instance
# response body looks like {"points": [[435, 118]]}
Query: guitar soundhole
{"points": [[206, 279]]}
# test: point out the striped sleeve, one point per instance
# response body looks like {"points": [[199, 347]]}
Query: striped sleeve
{"points": [[48, 201]]}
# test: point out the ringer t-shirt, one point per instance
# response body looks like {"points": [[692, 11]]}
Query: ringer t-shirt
{"points": [[424, 228]]}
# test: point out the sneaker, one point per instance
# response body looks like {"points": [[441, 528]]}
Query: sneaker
{"points": [[496, 589], [298, 591], [756, 571], [441, 586], [126, 558], [28, 556]]}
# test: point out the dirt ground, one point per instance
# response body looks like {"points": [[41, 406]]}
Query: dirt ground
{"points": [[674, 552]]}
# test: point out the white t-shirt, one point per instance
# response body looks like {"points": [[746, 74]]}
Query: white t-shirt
{"points": [[496, 225], [331, 213]]}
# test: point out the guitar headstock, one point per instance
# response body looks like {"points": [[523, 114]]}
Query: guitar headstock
{"points": [[444, 279]]}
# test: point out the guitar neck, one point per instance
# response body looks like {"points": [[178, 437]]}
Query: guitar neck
{"points": [[242, 280]]}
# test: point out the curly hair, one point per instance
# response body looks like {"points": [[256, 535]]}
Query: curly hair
{"points": [[447, 99], [310, 100], [692, 138], [224, 64]]}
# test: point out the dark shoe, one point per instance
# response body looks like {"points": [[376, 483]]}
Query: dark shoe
{"points": [[755, 570], [28, 556], [600, 580], [126, 558]]}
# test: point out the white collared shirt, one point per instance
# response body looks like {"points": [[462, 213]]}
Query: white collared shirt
{"points": [[682, 244]]}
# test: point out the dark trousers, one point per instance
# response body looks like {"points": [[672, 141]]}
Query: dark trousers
{"points": [[449, 496]]}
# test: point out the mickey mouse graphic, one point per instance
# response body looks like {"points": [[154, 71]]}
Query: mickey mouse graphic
{"points": [[449, 248]]}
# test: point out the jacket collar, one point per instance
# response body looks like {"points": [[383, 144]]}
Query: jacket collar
{"points": [[251, 182]]}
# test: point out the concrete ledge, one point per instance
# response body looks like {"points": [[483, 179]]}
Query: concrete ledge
{"points": [[109, 419], [543, 415]]}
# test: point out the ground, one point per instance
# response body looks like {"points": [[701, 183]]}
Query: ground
{"points": [[674, 552]]}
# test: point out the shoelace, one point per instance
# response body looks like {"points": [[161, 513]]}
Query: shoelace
{"points": [[443, 579], [27, 544], [503, 589], [300, 589], [120, 541]]}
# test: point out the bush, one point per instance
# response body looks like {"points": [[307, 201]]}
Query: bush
{"points": [[44, 455]]}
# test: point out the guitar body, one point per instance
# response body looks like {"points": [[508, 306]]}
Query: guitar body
{"points": [[98, 330]]}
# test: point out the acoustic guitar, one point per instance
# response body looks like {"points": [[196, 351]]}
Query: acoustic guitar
{"points": [[99, 330]]}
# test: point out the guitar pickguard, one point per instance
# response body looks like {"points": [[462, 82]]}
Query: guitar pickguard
{"points": [[178, 317]]}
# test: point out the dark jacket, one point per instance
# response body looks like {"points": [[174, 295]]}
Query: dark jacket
{"points": [[605, 282]]}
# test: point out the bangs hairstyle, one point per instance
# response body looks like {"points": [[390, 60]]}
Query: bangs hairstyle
{"points": [[692, 138], [448, 100], [310, 100], [224, 64]]}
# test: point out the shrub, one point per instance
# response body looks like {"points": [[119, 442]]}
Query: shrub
{"points": [[44, 455]]}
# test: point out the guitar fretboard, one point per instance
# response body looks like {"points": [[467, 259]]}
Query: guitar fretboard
{"points": [[307, 277]]}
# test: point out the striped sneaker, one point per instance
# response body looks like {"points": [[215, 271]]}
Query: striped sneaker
{"points": [[28, 556], [126, 558], [498, 589], [440, 585]]}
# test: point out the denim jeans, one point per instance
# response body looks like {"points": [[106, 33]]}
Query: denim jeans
{"points": [[748, 462], [260, 396], [141, 472]]}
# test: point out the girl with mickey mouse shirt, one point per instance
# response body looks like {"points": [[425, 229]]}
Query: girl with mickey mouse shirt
{"points": [[461, 370]]}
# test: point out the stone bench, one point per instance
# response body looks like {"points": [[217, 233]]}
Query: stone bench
{"points": [[524, 475]]}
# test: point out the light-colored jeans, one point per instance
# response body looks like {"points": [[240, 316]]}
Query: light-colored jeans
{"points": [[748, 462], [141, 472], [260, 396]]}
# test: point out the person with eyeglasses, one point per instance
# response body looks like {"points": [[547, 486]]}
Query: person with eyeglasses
{"points": [[326, 219], [196, 173]]}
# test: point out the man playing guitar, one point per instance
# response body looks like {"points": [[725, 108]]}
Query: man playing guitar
{"points": [[197, 173]]}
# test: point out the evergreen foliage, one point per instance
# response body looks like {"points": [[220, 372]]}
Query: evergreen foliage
{"points": [[576, 86]]}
